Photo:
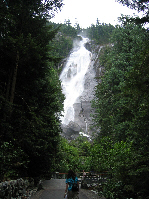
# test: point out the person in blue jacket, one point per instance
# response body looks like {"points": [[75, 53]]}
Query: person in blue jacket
{"points": [[70, 180]]}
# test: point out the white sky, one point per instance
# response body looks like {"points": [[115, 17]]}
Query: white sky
{"points": [[86, 12]]}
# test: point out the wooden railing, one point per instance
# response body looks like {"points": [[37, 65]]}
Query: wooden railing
{"points": [[89, 176]]}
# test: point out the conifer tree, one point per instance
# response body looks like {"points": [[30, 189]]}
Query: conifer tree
{"points": [[30, 91], [140, 5]]}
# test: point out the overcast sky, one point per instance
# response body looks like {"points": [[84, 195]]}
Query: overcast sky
{"points": [[86, 12]]}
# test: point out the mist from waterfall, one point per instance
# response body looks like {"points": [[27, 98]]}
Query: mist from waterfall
{"points": [[73, 77]]}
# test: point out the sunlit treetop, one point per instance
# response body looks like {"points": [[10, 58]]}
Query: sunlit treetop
{"points": [[46, 8], [140, 5]]}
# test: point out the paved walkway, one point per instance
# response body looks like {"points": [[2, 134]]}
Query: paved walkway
{"points": [[55, 189]]}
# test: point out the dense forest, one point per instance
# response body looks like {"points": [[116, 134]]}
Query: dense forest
{"points": [[100, 33], [31, 99]]}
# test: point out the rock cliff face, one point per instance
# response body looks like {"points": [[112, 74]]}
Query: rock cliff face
{"points": [[82, 107]]}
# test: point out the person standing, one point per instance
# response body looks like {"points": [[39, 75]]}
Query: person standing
{"points": [[70, 181], [84, 175]]}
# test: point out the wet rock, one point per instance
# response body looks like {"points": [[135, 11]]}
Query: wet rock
{"points": [[82, 107], [71, 131], [88, 46], [15, 188]]}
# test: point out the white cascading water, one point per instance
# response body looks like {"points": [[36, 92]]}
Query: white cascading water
{"points": [[73, 77]]}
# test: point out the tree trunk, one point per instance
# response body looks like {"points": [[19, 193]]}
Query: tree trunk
{"points": [[8, 86], [7, 94], [14, 78]]}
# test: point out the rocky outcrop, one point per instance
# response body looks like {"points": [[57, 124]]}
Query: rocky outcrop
{"points": [[19, 188], [71, 131], [88, 46]]}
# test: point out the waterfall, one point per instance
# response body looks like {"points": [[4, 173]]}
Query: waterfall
{"points": [[73, 77]]}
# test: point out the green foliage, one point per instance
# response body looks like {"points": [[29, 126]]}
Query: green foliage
{"points": [[75, 155], [139, 5], [68, 156], [112, 105], [100, 33], [84, 148], [68, 30], [30, 91], [13, 160], [124, 166], [62, 44], [121, 113]]}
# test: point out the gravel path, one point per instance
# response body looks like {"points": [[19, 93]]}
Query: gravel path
{"points": [[55, 188]]}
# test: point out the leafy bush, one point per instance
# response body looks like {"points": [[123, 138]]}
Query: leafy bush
{"points": [[14, 160]]}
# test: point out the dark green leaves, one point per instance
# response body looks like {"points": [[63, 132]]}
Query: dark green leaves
{"points": [[121, 109], [30, 89]]}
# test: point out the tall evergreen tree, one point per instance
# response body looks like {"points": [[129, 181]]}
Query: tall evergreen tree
{"points": [[100, 33], [121, 103], [30, 91], [140, 5]]}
